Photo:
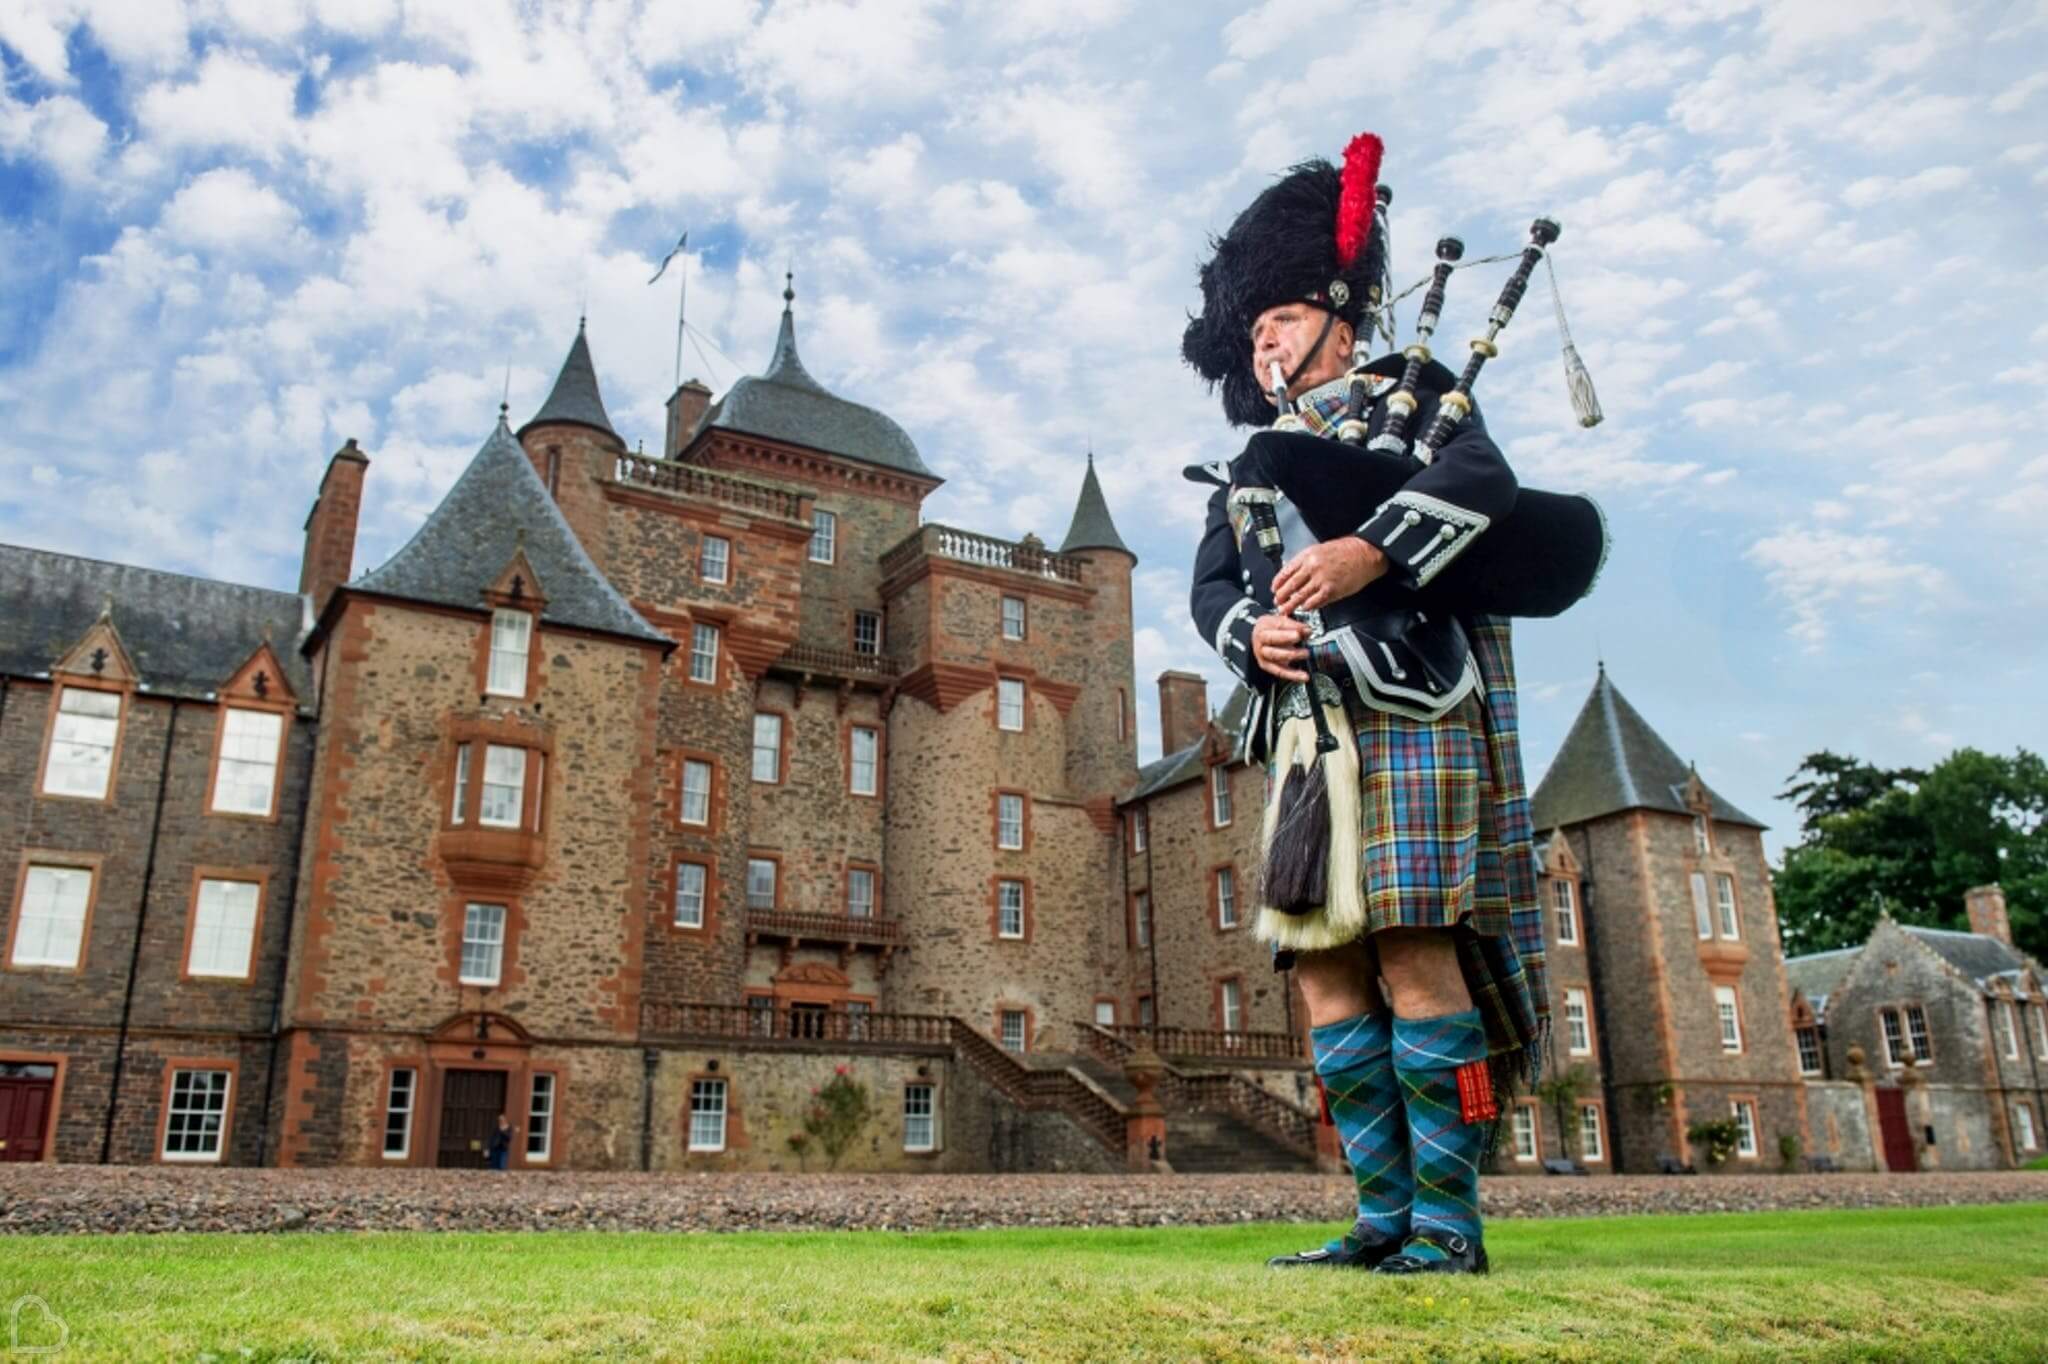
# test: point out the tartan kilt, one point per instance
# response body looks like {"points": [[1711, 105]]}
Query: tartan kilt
{"points": [[1445, 842]]}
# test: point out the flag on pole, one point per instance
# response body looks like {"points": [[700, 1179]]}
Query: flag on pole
{"points": [[674, 251]]}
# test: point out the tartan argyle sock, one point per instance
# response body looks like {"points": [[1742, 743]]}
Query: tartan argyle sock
{"points": [[1427, 1055], [1354, 1060]]}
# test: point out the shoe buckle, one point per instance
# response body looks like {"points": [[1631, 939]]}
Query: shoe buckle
{"points": [[1457, 1245]]}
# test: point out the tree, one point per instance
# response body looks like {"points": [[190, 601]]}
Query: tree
{"points": [[838, 1111]]}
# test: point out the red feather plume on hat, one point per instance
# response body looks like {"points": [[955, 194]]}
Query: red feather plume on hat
{"points": [[1355, 199]]}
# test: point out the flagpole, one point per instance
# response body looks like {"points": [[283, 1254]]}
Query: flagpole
{"points": [[682, 296]]}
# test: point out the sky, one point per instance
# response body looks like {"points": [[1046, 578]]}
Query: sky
{"points": [[1802, 257]]}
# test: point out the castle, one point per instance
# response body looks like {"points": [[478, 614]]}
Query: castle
{"points": [[637, 798]]}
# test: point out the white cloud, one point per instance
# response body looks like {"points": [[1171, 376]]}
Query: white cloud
{"points": [[235, 101], [227, 209], [2014, 96], [1880, 189], [59, 131], [1812, 570]]}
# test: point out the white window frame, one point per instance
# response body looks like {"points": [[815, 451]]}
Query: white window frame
{"points": [[2040, 1012], [859, 906], [508, 763], [1009, 829], [774, 876], [1702, 837], [1564, 908], [1141, 916], [242, 757], [1226, 897], [1148, 1011], [540, 1118], [1744, 1113], [2009, 1029], [1592, 1140], [864, 775], [458, 813], [704, 642], [42, 884], [1141, 831], [1724, 905], [1023, 1022], [874, 647], [1221, 810], [1919, 1040], [1578, 1023], [1702, 911], [1528, 1141], [1105, 1013], [214, 928], [511, 648], [76, 751], [697, 794], [400, 1107], [221, 1113], [920, 1116], [707, 559], [691, 896], [1230, 994], [1729, 1010], [1009, 902], [1020, 618], [483, 937], [2023, 1113], [772, 749], [824, 535], [1891, 1024], [1010, 704], [1799, 1036], [708, 1110]]}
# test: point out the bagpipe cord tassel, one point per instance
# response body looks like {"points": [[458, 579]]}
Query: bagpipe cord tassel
{"points": [[1577, 382], [1310, 895]]}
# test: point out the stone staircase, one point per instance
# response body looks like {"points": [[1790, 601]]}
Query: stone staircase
{"points": [[1224, 1144]]}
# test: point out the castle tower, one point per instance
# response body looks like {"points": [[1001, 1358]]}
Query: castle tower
{"points": [[574, 448], [1102, 742]]}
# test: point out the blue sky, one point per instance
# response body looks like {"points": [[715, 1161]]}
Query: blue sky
{"points": [[1802, 256]]}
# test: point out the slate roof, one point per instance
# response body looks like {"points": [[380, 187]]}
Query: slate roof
{"points": [[497, 507], [1977, 955], [1819, 974], [787, 404], [1092, 527], [1186, 765], [575, 398], [1612, 761], [186, 635]]}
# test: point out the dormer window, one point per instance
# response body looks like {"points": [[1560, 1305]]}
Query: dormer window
{"points": [[245, 781], [1700, 837], [81, 760], [511, 640]]}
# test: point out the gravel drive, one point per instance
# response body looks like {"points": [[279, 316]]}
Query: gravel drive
{"points": [[87, 1198]]}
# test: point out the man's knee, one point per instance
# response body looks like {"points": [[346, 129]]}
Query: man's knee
{"points": [[1338, 984], [1422, 971]]}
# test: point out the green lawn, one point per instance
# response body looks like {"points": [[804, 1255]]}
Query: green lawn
{"points": [[1923, 1284]]}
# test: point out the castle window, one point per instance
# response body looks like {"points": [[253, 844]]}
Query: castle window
{"points": [[1702, 916], [1578, 1029], [1526, 1150], [714, 559], [1230, 1004], [245, 781], [1015, 1030], [2008, 1030], [1745, 1128], [1141, 918], [824, 537], [504, 786], [1916, 1031], [867, 632], [511, 638], [1013, 618], [223, 929], [1226, 897], [1105, 1013], [761, 875], [1123, 725], [1009, 703], [1147, 1014], [1565, 905], [1010, 909], [540, 1119], [398, 1106], [1590, 1144], [1731, 1018], [1894, 1037], [767, 747], [1703, 842], [707, 1115], [81, 760], [919, 1128], [1219, 795], [195, 1120], [696, 791], [2041, 1031], [1809, 1050], [860, 893], [1009, 821], [49, 928], [2023, 1125], [703, 653], [483, 944], [691, 880], [1724, 899], [459, 811], [866, 752], [1139, 831], [857, 1012]]}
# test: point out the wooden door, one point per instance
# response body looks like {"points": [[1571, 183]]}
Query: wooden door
{"points": [[25, 1094], [471, 1101], [1895, 1132]]}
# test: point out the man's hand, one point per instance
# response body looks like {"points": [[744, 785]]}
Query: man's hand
{"points": [[1276, 644], [1325, 573]]}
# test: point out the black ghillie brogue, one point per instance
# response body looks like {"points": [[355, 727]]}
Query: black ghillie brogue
{"points": [[1458, 1256], [1359, 1248]]}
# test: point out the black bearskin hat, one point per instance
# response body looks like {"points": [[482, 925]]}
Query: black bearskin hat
{"points": [[1311, 238]]}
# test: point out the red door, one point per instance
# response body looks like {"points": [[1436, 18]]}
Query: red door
{"points": [[25, 1093], [1897, 1135]]}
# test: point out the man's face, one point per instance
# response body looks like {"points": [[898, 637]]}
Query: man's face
{"points": [[1287, 333]]}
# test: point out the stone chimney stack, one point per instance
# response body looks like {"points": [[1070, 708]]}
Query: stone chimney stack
{"points": [[331, 526], [685, 407], [1987, 912], [1183, 709]]}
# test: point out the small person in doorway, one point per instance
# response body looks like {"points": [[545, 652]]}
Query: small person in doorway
{"points": [[500, 1152]]}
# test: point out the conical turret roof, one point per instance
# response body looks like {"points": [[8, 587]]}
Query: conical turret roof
{"points": [[574, 397], [1092, 527], [1613, 761]]}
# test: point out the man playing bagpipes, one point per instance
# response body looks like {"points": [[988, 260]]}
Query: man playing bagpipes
{"points": [[1356, 571]]}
